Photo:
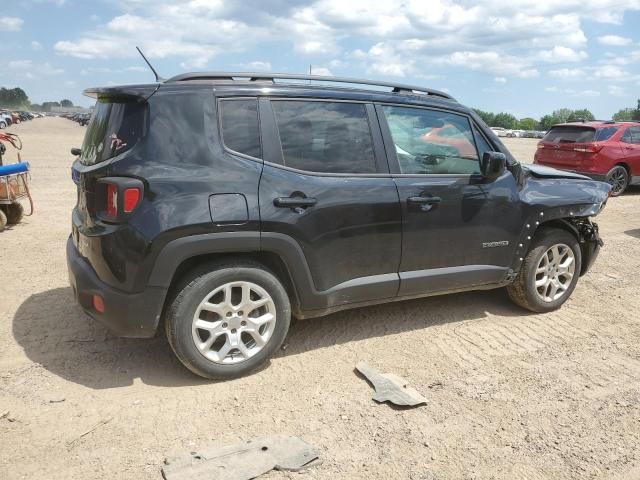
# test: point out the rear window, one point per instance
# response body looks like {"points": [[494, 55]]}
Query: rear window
{"points": [[114, 128], [570, 135]]}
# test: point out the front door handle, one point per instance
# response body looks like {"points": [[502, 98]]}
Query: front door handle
{"points": [[425, 203], [294, 202]]}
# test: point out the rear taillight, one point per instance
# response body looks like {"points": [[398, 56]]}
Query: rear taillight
{"points": [[131, 199], [589, 148], [118, 197]]}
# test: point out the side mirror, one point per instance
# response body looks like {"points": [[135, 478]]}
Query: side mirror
{"points": [[76, 151], [493, 165]]}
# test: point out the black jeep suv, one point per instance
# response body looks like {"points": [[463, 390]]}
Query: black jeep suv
{"points": [[218, 205]]}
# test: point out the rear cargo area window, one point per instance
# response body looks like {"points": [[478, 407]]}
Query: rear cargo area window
{"points": [[605, 133], [570, 135], [325, 137], [114, 128], [240, 130]]}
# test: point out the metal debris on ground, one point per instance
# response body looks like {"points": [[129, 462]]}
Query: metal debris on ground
{"points": [[390, 387], [242, 461]]}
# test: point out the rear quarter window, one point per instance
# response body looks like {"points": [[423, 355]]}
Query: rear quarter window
{"points": [[240, 128], [606, 133], [114, 129]]}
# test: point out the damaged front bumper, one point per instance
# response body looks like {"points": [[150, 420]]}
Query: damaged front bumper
{"points": [[590, 242]]}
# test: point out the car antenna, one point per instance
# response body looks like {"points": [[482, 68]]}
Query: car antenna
{"points": [[158, 77]]}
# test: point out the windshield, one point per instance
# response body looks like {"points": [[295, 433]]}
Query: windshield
{"points": [[570, 135], [114, 129]]}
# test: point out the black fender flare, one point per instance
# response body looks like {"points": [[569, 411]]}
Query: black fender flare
{"points": [[174, 253], [561, 216], [177, 251]]}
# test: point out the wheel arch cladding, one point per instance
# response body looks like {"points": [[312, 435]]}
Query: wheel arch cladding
{"points": [[182, 255], [585, 232]]}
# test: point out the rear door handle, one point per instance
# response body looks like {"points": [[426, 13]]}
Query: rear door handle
{"points": [[424, 200], [294, 202], [425, 203]]}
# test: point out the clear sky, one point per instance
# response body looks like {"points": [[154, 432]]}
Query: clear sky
{"points": [[526, 57]]}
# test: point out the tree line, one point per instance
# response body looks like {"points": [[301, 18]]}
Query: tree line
{"points": [[563, 115], [16, 98], [628, 114], [510, 122]]}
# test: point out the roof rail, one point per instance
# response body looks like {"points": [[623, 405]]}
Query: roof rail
{"points": [[261, 76]]}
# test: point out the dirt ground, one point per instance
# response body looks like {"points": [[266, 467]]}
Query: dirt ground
{"points": [[512, 395]]}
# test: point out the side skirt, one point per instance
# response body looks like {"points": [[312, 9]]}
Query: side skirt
{"points": [[338, 308]]}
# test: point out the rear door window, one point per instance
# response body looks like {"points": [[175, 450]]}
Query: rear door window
{"points": [[325, 137], [570, 135], [631, 135], [240, 130], [114, 128]]}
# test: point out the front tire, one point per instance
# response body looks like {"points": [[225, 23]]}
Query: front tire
{"points": [[618, 178], [549, 272], [3, 220], [227, 319]]}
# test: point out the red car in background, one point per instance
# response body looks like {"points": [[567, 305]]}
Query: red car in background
{"points": [[606, 151]]}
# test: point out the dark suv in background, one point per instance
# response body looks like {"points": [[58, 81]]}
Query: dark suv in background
{"points": [[218, 205]]}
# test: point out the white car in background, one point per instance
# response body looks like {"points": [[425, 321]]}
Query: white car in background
{"points": [[5, 120], [501, 132]]}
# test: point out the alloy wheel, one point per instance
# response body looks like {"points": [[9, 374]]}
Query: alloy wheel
{"points": [[233, 322], [618, 180], [555, 272]]}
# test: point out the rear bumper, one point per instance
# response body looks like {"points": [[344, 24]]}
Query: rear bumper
{"points": [[133, 315]]}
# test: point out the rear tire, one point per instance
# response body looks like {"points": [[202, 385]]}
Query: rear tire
{"points": [[226, 320], [618, 178], [14, 213], [3, 124], [547, 277]]}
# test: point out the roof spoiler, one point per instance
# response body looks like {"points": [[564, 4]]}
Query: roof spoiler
{"points": [[130, 93]]}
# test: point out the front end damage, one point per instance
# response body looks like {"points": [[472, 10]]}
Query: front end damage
{"points": [[588, 235], [564, 200]]}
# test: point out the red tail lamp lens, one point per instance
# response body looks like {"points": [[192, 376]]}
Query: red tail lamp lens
{"points": [[131, 199], [98, 303]]}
